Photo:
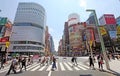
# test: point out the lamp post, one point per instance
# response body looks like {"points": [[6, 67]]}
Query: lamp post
{"points": [[100, 37]]}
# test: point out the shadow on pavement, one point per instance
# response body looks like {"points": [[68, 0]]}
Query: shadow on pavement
{"points": [[114, 72], [86, 75]]}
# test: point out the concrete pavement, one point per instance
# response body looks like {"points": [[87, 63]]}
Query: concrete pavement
{"points": [[114, 66]]}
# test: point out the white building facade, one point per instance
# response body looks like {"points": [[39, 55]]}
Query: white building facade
{"points": [[28, 33]]}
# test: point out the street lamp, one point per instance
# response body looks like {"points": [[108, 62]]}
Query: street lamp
{"points": [[100, 37]]}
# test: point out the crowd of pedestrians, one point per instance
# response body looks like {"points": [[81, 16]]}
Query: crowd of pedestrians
{"points": [[48, 60], [18, 63]]}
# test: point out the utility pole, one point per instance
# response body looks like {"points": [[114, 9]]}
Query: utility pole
{"points": [[101, 39]]}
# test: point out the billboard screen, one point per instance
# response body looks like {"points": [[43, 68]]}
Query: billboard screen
{"points": [[109, 19]]}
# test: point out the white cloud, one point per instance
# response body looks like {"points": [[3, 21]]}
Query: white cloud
{"points": [[83, 3]]}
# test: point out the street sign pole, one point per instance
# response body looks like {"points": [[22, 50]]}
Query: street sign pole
{"points": [[101, 39]]}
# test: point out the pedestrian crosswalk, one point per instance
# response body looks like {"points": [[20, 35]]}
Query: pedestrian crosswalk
{"points": [[61, 66]]}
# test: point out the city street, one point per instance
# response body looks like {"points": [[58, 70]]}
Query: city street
{"points": [[64, 68]]}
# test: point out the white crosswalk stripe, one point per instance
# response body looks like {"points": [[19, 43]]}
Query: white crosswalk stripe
{"points": [[41, 68], [49, 68], [61, 66], [5, 69], [33, 66], [73, 66], [68, 67], [84, 65]]}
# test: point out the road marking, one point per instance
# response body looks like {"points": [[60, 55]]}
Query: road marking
{"points": [[81, 67], [73, 66], [32, 66], [68, 67], [35, 68], [84, 65], [62, 67], [56, 66], [49, 74], [5, 69], [41, 68], [49, 68]]}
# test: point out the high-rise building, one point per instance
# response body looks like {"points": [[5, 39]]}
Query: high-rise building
{"points": [[28, 34], [75, 34]]}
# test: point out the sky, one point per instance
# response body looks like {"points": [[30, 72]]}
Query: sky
{"points": [[57, 12]]}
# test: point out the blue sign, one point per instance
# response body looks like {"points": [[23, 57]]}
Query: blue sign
{"points": [[112, 34]]}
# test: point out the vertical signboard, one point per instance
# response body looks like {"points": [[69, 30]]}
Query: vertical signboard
{"points": [[8, 29], [102, 30], [109, 19], [112, 34]]}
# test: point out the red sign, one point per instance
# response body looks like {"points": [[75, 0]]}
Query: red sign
{"points": [[4, 39], [109, 19]]}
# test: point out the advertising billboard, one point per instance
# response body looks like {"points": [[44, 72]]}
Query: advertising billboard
{"points": [[118, 30], [8, 29], [113, 34], [3, 21], [102, 30], [109, 19]]}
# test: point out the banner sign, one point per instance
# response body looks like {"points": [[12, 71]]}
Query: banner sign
{"points": [[102, 30], [112, 34], [118, 29]]}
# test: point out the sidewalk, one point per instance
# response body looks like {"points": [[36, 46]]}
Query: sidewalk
{"points": [[114, 66]]}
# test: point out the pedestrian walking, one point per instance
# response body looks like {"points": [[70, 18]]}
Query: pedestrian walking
{"points": [[24, 63], [47, 60], [12, 66], [3, 60], [54, 64], [43, 61], [72, 60], [29, 61], [91, 62], [75, 59], [100, 62]]}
